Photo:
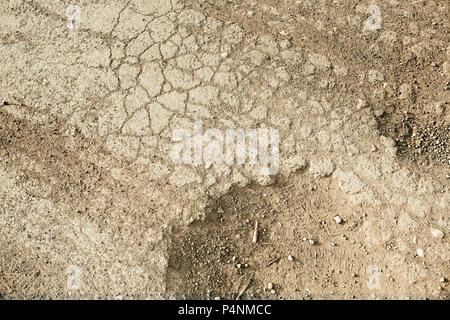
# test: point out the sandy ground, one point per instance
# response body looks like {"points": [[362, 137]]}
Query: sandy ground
{"points": [[93, 206]]}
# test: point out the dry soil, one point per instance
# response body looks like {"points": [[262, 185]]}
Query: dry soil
{"points": [[92, 206]]}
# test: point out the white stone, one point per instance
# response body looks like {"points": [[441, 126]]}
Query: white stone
{"points": [[437, 233]]}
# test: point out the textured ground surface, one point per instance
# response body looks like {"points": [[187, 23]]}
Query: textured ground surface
{"points": [[87, 182]]}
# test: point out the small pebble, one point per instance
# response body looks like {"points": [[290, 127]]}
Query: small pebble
{"points": [[337, 219], [285, 44], [420, 252], [437, 233], [290, 258], [361, 104], [443, 279], [311, 242], [270, 286]]}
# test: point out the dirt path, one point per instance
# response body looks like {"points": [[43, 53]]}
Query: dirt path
{"points": [[93, 204]]}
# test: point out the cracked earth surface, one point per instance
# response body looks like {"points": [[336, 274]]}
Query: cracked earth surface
{"points": [[86, 177]]}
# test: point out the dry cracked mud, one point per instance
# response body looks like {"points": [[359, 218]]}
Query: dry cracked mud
{"points": [[93, 206]]}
